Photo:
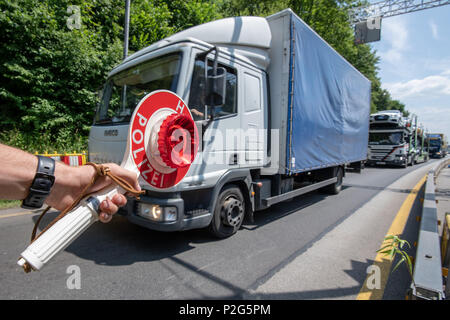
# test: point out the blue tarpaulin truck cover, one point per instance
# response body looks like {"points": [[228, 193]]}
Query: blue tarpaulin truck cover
{"points": [[328, 106]]}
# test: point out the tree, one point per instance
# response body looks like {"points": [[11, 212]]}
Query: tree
{"points": [[50, 73]]}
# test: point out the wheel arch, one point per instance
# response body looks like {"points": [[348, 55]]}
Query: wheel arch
{"points": [[243, 180]]}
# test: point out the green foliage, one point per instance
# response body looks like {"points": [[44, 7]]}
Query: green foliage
{"points": [[394, 248], [50, 74], [186, 14], [5, 204], [262, 8], [149, 23]]}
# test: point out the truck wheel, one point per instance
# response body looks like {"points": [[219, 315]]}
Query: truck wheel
{"points": [[410, 161], [229, 212], [405, 165], [336, 187]]}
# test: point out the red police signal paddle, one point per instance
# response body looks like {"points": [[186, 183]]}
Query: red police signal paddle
{"points": [[161, 146]]}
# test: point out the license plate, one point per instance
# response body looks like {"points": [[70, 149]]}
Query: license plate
{"points": [[380, 162]]}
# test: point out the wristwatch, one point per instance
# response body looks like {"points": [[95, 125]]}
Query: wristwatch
{"points": [[42, 183]]}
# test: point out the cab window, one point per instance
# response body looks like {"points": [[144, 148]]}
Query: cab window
{"points": [[197, 92]]}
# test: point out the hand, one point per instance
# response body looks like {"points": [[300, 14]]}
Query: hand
{"points": [[196, 112], [70, 182]]}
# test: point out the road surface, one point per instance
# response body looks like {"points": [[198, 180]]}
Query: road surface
{"points": [[314, 247]]}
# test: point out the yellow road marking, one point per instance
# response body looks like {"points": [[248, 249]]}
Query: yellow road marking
{"points": [[24, 213], [17, 214], [384, 263]]}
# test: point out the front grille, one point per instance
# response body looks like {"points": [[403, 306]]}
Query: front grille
{"points": [[380, 151]]}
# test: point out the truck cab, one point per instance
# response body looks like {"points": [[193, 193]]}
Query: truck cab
{"points": [[437, 145], [390, 139]]}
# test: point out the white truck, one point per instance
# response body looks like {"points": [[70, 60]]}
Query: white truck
{"points": [[392, 139], [278, 111]]}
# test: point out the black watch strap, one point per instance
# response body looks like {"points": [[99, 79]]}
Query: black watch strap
{"points": [[42, 183]]}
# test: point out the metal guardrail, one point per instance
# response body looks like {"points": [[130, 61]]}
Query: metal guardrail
{"points": [[427, 277]]}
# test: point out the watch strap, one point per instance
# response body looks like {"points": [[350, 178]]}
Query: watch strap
{"points": [[42, 183]]}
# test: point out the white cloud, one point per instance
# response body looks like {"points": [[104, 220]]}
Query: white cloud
{"points": [[395, 33], [434, 30], [428, 98], [432, 86], [434, 118], [441, 66]]}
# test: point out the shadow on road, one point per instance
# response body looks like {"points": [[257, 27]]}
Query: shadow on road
{"points": [[407, 191], [357, 272], [123, 243], [120, 243], [283, 209]]}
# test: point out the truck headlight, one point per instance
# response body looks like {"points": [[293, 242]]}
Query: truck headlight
{"points": [[151, 211]]}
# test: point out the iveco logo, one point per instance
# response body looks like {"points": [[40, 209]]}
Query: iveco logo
{"points": [[111, 133]]}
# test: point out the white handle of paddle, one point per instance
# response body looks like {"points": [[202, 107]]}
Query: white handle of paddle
{"points": [[66, 230]]}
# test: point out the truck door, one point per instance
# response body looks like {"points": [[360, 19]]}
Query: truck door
{"points": [[253, 100], [218, 151]]}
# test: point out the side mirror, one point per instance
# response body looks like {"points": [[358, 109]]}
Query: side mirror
{"points": [[216, 87]]}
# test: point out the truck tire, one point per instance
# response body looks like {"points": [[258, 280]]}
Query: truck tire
{"points": [[336, 187], [405, 165], [228, 213], [410, 161]]}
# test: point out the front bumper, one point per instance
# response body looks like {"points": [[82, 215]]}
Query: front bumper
{"points": [[390, 162], [196, 220], [435, 155]]}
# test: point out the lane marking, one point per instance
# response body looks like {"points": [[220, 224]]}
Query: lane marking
{"points": [[381, 261], [23, 213], [16, 214]]}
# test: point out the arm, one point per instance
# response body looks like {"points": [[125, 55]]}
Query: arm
{"points": [[17, 170]]}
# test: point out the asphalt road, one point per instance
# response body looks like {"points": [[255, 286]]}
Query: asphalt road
{"points": [[287, 253]]}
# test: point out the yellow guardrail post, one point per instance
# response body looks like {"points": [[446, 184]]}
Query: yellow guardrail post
{"points": [[445, 247]]}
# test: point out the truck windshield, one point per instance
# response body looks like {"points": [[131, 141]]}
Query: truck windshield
{"points": [[124, 90], [435, 142], [385, 138]]}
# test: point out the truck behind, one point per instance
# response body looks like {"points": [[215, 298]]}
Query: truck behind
{"points": [[395, 140], [437, 145]]}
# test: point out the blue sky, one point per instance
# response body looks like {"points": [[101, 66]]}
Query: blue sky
{"points": [[414, 64]]}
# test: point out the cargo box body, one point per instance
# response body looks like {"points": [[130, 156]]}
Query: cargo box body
{"points": [[319, 102]]}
